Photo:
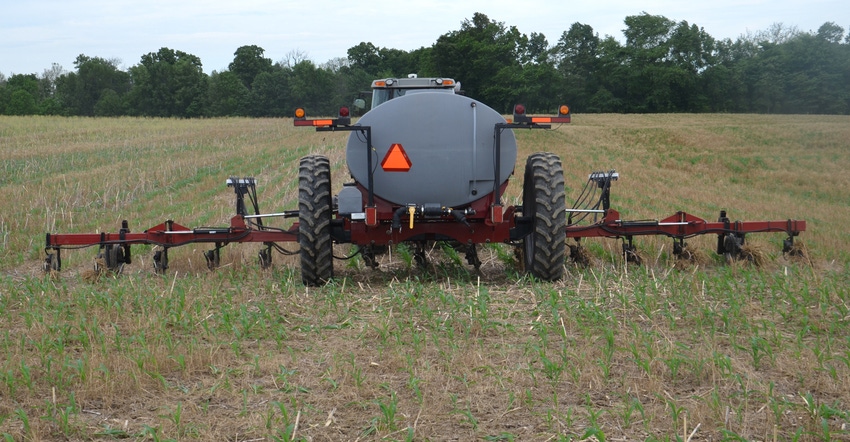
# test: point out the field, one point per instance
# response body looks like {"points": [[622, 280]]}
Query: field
{"points": [[663, 351]]}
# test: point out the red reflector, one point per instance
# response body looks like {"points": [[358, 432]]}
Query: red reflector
{"points": [[371, 216], [396, 159]]}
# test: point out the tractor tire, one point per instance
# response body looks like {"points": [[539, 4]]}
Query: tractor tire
{"points": [[543, 199], [314, 220]]}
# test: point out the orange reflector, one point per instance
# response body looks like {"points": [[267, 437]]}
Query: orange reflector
{"points": [[396, 159], [541, 120], [313, 123]]}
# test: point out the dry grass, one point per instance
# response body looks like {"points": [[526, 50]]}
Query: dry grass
{"points": [[698, 351]]}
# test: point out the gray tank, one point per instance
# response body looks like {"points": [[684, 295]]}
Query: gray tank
{"points": [[449, 142]]}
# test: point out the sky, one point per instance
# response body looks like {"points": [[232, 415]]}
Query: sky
{"points": [[35, 34]]}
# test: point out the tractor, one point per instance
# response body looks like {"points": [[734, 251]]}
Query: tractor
{"points": [[427, 164]]}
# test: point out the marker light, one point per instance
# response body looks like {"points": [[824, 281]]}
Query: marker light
{"points": [[343, 112], [564, 109], [300, 113], [519, 109]]}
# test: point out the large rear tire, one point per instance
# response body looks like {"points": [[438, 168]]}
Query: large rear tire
{"points": [[314, 220], [543, 199]]}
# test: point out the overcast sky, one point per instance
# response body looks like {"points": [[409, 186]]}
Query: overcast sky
{"points": [[34, 34]]}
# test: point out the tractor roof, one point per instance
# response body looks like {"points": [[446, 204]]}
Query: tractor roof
{"points": [[414, 83]]}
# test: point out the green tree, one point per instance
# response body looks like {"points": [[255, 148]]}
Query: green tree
{"points": [[228, 95], [169, 83], [365, 56], [613, 72], [831, 33], [485, 56], [21, 102], [110, 104], [692, 51], [4, 94], [383, 62], [50, 104], [651, 76], [535, 81], [271, 94], [577, 56], [310, 87], [782, 70], [79, 91], [422, 63], [398, 63], [722, 87], [352, 82], [819, 72], [248, 62], [21, 97]]}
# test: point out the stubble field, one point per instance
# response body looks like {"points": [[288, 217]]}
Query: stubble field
{"points": [[663, 351]]}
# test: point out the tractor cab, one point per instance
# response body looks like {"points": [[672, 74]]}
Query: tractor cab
{"points": [[386, 89]]}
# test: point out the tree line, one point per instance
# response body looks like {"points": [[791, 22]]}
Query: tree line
{"points": [[663, 66]]}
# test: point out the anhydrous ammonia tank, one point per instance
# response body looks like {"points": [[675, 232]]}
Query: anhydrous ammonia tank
{"points": [[449, 143]]}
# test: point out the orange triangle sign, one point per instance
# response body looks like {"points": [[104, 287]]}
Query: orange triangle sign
{"points": [[396, 159]]}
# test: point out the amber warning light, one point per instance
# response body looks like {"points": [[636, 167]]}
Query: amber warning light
{"points": [[301, 119]]}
